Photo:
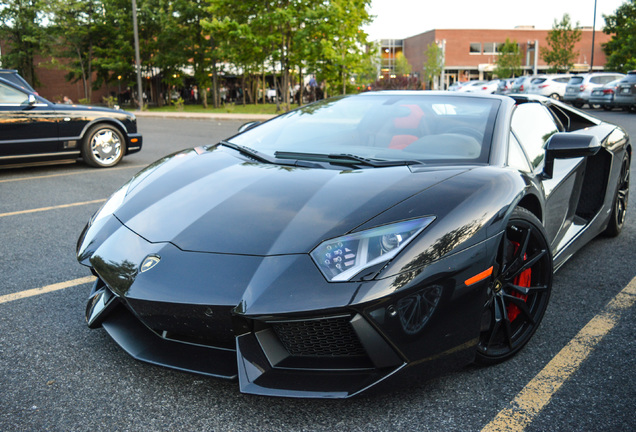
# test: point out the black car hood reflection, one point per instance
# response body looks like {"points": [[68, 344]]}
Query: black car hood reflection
{"points": [[217, 201]]}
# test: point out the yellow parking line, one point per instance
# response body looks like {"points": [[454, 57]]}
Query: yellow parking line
{"points": [[88, 171], [41, 209], [538, 392], [46, 289]]}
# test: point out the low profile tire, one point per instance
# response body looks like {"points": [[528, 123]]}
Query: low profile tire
{"points": [[555, 96], [103, 146], [519, 293], [619, 209]]}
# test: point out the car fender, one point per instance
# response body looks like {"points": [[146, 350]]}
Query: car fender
{"points": [[469, 209], [107, 120]]}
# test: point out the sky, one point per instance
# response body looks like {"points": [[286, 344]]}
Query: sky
{"points": [[399, 19]]}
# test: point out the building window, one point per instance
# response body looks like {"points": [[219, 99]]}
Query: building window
{"points": [[475, 48], [492, 47]]}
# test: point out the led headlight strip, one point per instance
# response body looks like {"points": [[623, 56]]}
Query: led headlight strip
{"points": [[341, 258]]}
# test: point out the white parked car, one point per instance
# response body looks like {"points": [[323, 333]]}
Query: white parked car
{"points": [[489, 87], [470, 86], [552, 86]]}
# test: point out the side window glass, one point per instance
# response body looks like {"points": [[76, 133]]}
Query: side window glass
{"points": [[516, 158], [9, 95], [533, 125]]}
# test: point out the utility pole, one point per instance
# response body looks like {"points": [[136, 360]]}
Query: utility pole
{"points": [[593, 34], [140, 95]]}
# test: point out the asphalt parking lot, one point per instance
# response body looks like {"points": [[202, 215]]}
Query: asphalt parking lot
{"points": [[56, 374]]}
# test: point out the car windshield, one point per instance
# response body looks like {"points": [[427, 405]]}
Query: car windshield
{"points": [[425, 128]]}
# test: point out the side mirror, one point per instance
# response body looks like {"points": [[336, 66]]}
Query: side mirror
{"points": [[568, 145], [32, 100], [248, 125]]}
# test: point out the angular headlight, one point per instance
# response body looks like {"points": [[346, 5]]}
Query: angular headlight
{"points": [[113, 203], [342, 258]]}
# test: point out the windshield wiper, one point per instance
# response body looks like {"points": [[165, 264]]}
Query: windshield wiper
{"points": [[343, 159], [260, 157]]}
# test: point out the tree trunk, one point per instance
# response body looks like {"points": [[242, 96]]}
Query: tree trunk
{"points": [[215, 85], [90, 73], [243, 87]]}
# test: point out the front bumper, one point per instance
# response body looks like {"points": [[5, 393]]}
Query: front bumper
{"points": [[624, 100], [253, 318], [135, 142]]}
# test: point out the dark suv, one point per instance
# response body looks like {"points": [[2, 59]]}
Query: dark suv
{"points": [[625, 96], [13, 76]]}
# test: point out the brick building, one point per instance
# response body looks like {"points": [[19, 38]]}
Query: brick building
{"points": [[472, 54]]}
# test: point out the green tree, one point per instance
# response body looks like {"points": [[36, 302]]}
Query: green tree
{"points": [[92, 40], [402, 66], [560, 53], [621, 48], [21, 27], [434, 63], [509, 61], [343, 48], [290, 37]]}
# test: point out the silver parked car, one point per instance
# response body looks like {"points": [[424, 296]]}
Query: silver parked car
{"points": [[522, 84], [552, 86], [625, 96], [579, 88], [604, 96], [505, 86]]}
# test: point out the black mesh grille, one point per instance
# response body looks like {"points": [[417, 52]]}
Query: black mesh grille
{"points": [[331, 337]]}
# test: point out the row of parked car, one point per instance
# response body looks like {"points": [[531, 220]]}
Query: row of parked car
{"points": [[605, 90]]}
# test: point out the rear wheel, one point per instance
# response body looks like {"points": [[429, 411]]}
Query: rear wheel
{"points": [[577, 104], [555, 96], [519, 293], [619, 210]]}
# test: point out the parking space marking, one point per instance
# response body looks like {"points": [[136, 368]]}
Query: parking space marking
{"points": [[46, 289], [538, 392], [41, 209], [88, 171]]}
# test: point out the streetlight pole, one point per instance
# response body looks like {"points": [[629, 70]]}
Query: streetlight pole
{"points": [[140, 95], [593, 34]]}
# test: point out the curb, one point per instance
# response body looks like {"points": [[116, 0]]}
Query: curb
{"points": [[203, 116]]}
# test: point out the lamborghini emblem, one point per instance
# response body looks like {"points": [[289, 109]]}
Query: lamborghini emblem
{"points": [[149, 262]]}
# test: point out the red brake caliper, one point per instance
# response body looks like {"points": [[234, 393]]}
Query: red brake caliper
{"points": [[523, 280]]}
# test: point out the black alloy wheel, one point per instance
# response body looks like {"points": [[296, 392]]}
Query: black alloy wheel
{"points": [[519, 292], [619, 210]]}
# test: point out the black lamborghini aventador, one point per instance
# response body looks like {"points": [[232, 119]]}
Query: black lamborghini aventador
{"points": [[355, 240]]}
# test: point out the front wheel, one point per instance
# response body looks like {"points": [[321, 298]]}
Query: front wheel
{"points": [[619, 209], [103, 146], [519, 293]]}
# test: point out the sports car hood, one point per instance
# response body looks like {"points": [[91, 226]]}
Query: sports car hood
{"points": [[215, 200]]}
